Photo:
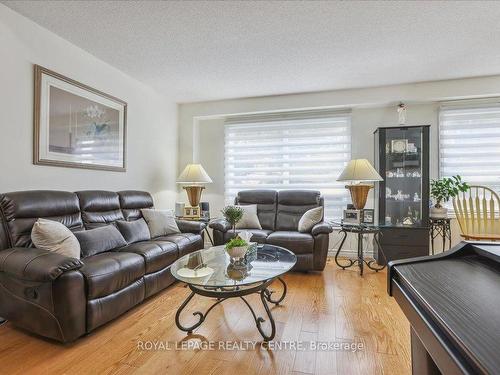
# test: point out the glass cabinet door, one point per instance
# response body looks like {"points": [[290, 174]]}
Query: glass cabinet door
{"points": [[403, 176]]}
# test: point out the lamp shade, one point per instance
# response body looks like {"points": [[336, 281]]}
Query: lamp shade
{"points": [[359, 170], [194, 174]]}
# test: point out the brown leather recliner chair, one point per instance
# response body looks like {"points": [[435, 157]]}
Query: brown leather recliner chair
{"points": [[279, 213], [64, 298]]}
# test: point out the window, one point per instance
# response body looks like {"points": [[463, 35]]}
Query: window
{"points": [[303, 150], [469, 143]]}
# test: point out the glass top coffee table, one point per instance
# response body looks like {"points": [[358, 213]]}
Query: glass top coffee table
{"points": [[210, 273]]}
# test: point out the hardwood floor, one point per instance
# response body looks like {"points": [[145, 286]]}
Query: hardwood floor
{"points": [[333, 306]]}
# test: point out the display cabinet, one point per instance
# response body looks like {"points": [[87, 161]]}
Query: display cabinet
{"points": [[402, 199]]}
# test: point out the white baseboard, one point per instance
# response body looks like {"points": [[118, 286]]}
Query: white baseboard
{"points": [[348, 253]]}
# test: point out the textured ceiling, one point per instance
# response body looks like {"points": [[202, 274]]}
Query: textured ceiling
{"points": [[194, 50]]}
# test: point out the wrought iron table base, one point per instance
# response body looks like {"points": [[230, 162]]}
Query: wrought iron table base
{"points": [[360, 261], [224, 293], [440, 227]]}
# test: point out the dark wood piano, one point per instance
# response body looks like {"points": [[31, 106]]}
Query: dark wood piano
{"points": [[452, 301]]}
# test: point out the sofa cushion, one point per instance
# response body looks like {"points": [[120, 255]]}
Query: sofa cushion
{"points": [[160, 222], [22, 208], [99, 240], [249, 220], [134, 231], [292, 204], [266, 205], [132, 201], [310, 219], [155, 256], [258, 235], [109, 272], [55, 237], [186, 242], [99, 207], [299, 243]]}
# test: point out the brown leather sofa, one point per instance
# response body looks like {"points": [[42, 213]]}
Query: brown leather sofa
{"points": [[279, 213], [64, 298]]}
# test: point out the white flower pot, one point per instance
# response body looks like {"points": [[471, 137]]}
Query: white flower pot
{"points": [[237, 252], [438, 213]]}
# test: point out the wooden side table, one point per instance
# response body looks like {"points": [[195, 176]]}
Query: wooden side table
{"points": [[440, 228]]}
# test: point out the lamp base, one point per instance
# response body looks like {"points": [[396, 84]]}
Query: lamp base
{"points": [[359, 194], [194, 194]]}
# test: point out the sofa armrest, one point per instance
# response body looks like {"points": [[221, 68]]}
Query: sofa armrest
{"points": [[321, 228], [221, 225], [32, 264], [191, 226]]}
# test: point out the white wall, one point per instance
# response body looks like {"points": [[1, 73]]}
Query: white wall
{"points": [[151, 121], [202, 129]]}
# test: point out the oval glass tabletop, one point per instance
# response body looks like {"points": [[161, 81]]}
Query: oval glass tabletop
{"points": [[213, 268]]}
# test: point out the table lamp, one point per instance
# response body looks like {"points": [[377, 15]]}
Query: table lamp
{"points": [[193, 177], [359, 171]]}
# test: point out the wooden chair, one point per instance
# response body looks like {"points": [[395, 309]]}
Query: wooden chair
{"points": [[475, 211]]}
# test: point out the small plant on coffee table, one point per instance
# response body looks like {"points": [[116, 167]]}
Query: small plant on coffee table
{"points": [[233, 214], [236, 242]]}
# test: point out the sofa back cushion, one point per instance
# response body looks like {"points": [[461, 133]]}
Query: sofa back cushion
{"points": [[99, 207], [292, 204], [22, 208], [266, 205], [4, 234], [133, 201]]}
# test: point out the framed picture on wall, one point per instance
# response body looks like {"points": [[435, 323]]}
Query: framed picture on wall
{"points": [[77, 126]]}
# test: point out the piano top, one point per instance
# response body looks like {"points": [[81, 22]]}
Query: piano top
{"points": [[460, 290]]}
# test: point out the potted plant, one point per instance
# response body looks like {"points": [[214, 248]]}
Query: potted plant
{"points": [[233, 214], [237, 247], [442, 190]]}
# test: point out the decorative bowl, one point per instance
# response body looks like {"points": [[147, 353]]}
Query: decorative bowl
{"points": [[237, 252]]}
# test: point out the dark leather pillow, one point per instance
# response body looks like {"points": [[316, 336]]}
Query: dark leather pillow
{"points": [[99, 240], [134, 231]]}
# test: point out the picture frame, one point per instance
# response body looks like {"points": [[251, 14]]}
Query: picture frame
{"points": [[352, 216], [368, 216], [191, 212], [77, 126]]}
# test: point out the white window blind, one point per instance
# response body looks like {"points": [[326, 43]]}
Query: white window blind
{"points": [[306, 150], [469, 143]]}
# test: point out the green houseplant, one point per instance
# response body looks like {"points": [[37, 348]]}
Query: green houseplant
{"points": [[236, 248], [444, 189], [232, 214]]}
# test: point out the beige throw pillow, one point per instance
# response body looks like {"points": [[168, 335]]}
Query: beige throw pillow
{"points": [[55, 237], [160, 222], [310, 219], [249, 220]]}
